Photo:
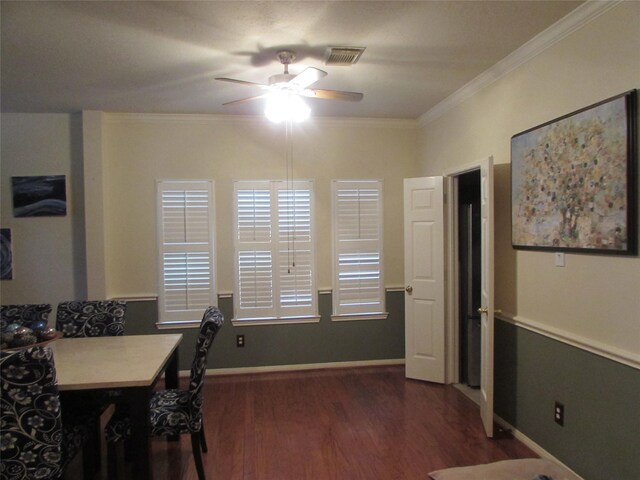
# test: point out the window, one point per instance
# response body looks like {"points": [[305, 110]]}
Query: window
{"points": [[274, 247], [186, 251], [358, 287]]}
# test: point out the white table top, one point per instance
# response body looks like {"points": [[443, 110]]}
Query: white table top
{"points": [[111, 362]]}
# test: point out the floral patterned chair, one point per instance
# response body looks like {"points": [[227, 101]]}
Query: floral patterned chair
{"points": [[91, 318], [175, 412], [23, 314], [36, 440]]}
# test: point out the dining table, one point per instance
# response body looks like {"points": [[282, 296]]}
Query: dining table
{"points": [[130, 363]]}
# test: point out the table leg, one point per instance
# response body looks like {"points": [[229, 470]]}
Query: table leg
{"points": [[140, 431], [171, 372], [171, 382]]}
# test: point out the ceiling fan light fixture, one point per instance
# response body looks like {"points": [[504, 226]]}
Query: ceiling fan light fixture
{"points": [[284, 100], [283, 106]]}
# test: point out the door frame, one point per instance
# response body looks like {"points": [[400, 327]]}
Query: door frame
{"points": [[452, 277]]}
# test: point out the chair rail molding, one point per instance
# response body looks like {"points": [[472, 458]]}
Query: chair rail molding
{"points": [[607, 351]]}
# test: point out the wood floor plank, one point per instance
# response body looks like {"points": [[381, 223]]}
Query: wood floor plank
{"points": [[360, 423]]}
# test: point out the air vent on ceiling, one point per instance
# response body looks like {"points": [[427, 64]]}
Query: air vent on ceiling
{"points": [[343, 56]]}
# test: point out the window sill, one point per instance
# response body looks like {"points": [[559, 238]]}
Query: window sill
{"points": [[250, 322], [177, 325], [359, 316]]}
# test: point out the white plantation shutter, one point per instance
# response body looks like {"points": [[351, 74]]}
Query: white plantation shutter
{"points": [[274, 250], [295, 273], [254, 251], [185, 245], [357, 237]]}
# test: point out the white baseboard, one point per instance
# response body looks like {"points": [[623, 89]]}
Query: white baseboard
{"points": [[299, 367], [518, 435]]}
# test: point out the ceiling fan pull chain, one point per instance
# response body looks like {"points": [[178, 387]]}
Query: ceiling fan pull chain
{"points": [[293, 189], [291, 262], [286, 165]]}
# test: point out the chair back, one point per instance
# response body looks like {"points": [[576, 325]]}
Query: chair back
{"points": [[211, 323], [23, 315], [91, 318], [30, 411]]}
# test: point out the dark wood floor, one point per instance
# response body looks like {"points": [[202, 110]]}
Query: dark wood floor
{"points": [[365, 423]]}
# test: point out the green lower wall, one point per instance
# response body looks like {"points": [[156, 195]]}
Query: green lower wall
{"points": [[600, 439], [305, 343]]}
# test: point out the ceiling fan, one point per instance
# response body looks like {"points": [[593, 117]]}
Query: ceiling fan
{"points": [[294, 84]]}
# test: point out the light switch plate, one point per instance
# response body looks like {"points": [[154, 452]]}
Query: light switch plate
{"points": [[559, 259]]}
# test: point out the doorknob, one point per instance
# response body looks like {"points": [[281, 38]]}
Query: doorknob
{"points": [[482, 310], [409, 289]]}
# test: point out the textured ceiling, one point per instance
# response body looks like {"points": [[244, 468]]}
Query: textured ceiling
{"points": [[162, 57]]}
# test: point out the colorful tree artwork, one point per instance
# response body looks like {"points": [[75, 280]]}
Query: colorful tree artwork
{"points": [[570, 181]]}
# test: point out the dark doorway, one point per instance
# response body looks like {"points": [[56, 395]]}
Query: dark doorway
{"points": [[469, 251]]}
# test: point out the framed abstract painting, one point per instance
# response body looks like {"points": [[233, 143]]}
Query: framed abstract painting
{"points": [[42, 196], [574, 181]]}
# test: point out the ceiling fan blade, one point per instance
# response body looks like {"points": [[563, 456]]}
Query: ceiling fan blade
{"points": [[242, 82], [333, 95], [307, 77], [242, 100]]}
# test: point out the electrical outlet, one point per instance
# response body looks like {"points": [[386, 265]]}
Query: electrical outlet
{"points": [[240, 341], [558, 415]]}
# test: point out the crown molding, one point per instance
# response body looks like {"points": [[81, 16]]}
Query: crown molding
{"points": [[578, 18], [121, 118], [124, 117], [403, 123]]}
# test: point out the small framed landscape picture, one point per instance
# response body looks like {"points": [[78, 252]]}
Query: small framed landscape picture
{"points": [[574, 181], [42, 196]]}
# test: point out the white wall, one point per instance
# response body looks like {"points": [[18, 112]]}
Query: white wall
{"points": [[139, 149], [595, 298], [48, 262]]}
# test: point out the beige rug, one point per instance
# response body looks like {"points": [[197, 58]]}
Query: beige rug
{"points": [[522, 469]]}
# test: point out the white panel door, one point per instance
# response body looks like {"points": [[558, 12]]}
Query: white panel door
{"points": [[487, 308], [424, 279]]}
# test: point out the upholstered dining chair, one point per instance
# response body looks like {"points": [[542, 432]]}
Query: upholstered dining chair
{"points": [[91, 318], [25, 314], [36, 440], [174, 412]]}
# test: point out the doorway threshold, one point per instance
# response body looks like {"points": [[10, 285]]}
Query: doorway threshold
{"points": [[472, 393]]}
